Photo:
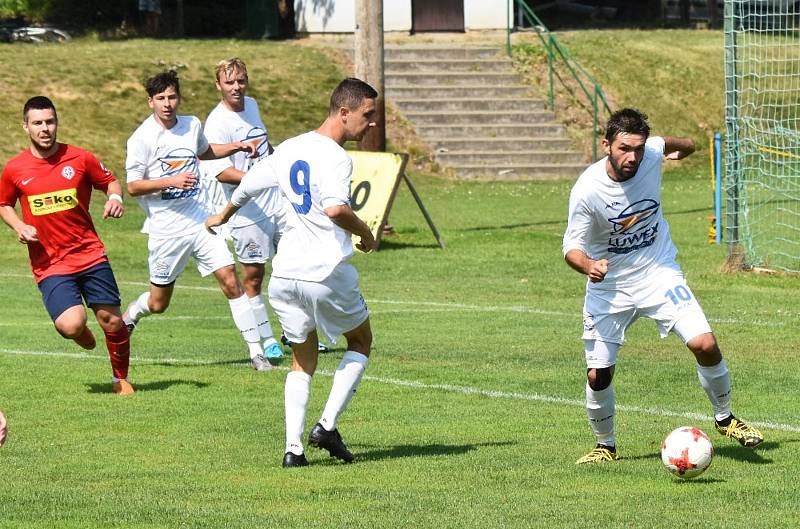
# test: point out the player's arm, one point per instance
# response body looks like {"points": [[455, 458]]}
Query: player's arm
{"points": [[113, 207], [184, 180], [676, 148], [223, 150], [254, 182], [344, 217], [230, 175], [579, 261], [25, 232]]}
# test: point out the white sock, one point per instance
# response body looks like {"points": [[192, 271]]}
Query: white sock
{"points": [[246, 323], [139, 308], [295, 401], [262, 318], [345, 382], [600, 409], [716, 381]]}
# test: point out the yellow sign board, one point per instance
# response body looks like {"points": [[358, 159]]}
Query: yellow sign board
{"points": [[376, 176]]}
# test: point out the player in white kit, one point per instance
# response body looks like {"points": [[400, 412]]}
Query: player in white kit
{"points": [[618, 237], [163, 174], [313, 286], [256, 228]]}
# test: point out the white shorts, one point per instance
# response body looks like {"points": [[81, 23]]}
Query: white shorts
{"points": [[334, 305], [255, 243], [168, 257], [665, 298]]}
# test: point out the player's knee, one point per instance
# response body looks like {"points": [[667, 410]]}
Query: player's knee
{"points": [[70, 328], [599, 378], [705, 349]]}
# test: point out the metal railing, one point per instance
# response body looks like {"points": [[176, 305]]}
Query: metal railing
{"points": [[559, 60]]}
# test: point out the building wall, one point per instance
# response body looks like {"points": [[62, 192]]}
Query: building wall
{"points": [[339, 16]]}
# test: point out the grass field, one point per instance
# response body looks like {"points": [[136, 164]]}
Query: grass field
{"points": [[471, 412]]}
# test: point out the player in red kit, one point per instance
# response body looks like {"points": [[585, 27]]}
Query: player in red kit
{"points": [[53, 183]]}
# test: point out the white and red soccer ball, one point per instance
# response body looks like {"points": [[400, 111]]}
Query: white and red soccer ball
{"points": [[687, 452]]}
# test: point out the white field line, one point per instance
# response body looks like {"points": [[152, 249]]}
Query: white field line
{"points": [[445, 306], [447, 388]]}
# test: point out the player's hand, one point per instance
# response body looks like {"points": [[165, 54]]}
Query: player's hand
{"points": [[367, 244], [598, 270], [113, 209], [212, 222], [674, 155], [27, 234], [3, 428], [185, 180], [250, 148]]}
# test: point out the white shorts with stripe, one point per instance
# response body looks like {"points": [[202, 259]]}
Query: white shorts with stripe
{"points": [[169, 257]]}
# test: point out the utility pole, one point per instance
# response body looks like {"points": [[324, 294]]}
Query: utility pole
{"points": [[369, 65]]}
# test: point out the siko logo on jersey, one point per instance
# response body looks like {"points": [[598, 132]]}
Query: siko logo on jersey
{"points": [[176, 162], [56, 201], [634, 228], [257, 137]]}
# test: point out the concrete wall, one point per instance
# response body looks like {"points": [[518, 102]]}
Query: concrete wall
{"points": [[339, 16]]}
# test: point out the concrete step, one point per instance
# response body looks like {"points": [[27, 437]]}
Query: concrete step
{"points": [[478, 118], [391, 53], [440, 92], [492, 158], [489, 129], [450, 79], [519, 171], [507, 144], [449, 65], [469, 104]]}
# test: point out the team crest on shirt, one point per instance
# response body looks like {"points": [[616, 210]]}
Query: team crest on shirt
{"points": [[635, 227], [68, 172], [257, 137], [175, 162]]}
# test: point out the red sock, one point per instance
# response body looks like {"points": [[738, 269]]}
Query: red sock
{"points": [[119, 348]]}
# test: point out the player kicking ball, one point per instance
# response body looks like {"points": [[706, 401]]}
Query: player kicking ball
{"points": [[313, 286], [618, 237], [53, 183]]}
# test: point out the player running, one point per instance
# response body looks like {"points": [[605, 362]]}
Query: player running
{"points": [[53, 183], [163, 174], [618, 237], [256, 228], [313, 286]]}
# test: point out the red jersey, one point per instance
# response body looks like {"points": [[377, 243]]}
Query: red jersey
{"points": [[54, 197]]}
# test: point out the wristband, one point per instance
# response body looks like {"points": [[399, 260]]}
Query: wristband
{"points": [[114, 196]]}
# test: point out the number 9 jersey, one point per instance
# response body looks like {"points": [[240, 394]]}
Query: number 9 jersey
{"points": [[313, 172]]}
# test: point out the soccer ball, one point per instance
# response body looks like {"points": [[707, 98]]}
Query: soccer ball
{"points": [[687, 452]]}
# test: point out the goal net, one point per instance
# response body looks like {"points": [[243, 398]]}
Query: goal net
{"points": [[762, 120]]}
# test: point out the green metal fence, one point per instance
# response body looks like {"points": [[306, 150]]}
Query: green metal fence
{"points": [[562, 67]]}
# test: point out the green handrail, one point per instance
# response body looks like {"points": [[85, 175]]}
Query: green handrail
{"points": [[557, 53]]}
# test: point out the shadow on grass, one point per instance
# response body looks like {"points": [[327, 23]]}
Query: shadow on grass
{"points": [[151, 386], [514, 226], [430, 450], [388, 244], [746, 454]]}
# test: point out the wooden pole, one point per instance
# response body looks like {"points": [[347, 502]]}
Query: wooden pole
{"points": [[369, 65]]}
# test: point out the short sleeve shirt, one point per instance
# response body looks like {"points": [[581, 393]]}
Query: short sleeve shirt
{"points": [[313, 172], [155, 152], [621, 221], [54, 195], [225, 126]]}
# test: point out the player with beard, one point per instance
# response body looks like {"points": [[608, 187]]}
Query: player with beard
{"points": [[53, 183], [617, 236]]}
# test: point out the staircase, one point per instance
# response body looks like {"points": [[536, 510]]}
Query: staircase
{"points": [[470, 106]]}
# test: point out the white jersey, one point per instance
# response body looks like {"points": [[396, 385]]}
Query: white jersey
{"points": [[621, 221], [225, 126], [155, 152], [313, 173]]}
